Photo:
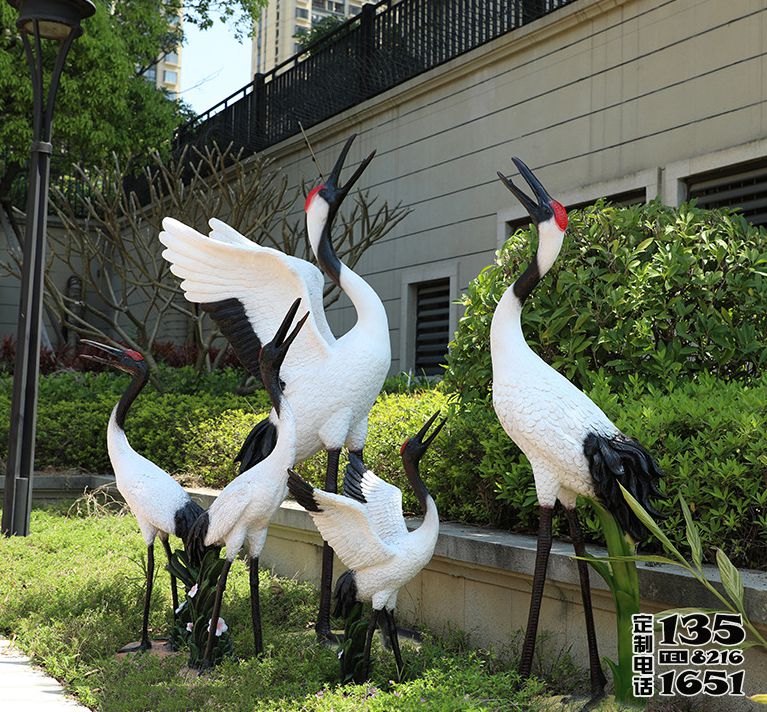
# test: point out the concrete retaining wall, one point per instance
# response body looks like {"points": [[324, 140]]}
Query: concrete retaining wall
{"points": [[479, 582]]}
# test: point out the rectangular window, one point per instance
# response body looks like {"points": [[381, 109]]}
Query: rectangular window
{"points": [[302, 13], [151, 74], [742, 186], [432, 325], [171, 58], [169, 77]]}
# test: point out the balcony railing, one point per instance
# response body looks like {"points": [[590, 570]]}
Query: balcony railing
{"points": [[387, 44]]}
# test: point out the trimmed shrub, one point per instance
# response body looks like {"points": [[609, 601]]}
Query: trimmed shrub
{"points": [[647, 289], [709, 435]]}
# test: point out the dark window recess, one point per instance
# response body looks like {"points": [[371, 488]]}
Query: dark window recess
{"points": [[432, 326], [743, 186], [628, 197]]}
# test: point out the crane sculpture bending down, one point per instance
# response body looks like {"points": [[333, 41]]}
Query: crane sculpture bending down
{"points": [[331, 383], [367, 530], [159, 503], [240, 514], [573, 447]]}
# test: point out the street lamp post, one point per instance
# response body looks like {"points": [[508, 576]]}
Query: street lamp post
{"points": [[57, 20]]}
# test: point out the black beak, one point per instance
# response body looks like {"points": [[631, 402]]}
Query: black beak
{"points": [[539, 211], [333, 186], [103, 347], [277, 348], [420, 434]]}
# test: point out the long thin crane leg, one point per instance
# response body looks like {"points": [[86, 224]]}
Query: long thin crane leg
{"points": [[322, 626], [391, 629], [173, 584], [539, 578], [368, 643], [598, 679], [220, 586], [145, 644], [255, 607]]}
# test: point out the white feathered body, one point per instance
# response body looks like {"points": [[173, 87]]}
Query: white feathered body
{"points": [[372, 540], [241, 513], [541, 411], [152, 494], [380, 583]]}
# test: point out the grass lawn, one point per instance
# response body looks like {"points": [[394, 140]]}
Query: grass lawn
{"points": [[71, 594]]}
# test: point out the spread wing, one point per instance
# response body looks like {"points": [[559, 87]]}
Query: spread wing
{"points": [[383, 500], [343, 523], [247, 289]]}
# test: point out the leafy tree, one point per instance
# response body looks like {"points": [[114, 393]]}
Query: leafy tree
{"points": [[306, 37], [105, 105]]}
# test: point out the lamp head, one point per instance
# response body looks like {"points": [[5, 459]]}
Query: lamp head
{"points": [[55, 18]]}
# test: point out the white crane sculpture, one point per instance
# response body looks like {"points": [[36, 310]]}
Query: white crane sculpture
{"points": [[331, 383], [366, 528], [159, 503], [573, 447], [240, 515]]}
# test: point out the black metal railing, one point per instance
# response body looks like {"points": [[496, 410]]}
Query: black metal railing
{"points": [[387, 44]]}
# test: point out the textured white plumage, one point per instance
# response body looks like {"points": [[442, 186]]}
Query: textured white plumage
{"points": [[373, 540], [331, 384], [152, 494], [241, 513], [264, 280], [541, 411]]}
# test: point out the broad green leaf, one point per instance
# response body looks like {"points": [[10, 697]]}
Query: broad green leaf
{"points": [[731, 580]]}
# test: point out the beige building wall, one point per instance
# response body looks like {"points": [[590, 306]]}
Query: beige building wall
{"points": [[273, 39], [600, 97]]}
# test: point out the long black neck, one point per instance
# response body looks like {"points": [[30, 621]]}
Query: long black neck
{"points": [[411, 470], [326, 254], [272, 383], [528, 280], [135, 387]]}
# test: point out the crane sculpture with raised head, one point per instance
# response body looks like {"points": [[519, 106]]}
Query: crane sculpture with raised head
{"points": [[366, 528], [331, 383], [159, 503], [240, 515], [573, 447]]}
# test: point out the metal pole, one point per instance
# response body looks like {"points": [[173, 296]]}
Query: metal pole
{"points": [[21, 445]]}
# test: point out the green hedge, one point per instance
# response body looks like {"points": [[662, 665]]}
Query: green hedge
{"points": [[649, 289], [709, 435]]}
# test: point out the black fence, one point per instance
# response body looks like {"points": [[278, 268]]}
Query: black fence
{"points": [[385, 45]]}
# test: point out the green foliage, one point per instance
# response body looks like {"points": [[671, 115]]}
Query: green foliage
{"points": [[708, 435], [620, 574], [193, 617], [105, 104], [72, 594], [665, 292], [306, 37], [352, 650], [733, 597]]}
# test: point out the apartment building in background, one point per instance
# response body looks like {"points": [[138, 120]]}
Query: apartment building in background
{"points": [[166, 74], [274, 41]]}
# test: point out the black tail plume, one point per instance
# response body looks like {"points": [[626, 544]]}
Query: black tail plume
{"points": [[258, 445], [620, 460], [184, 520], [345, 595], [195, 541]]}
